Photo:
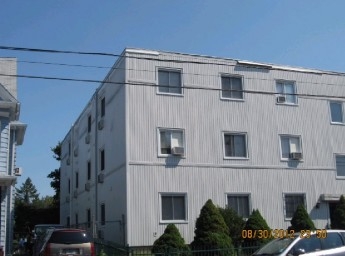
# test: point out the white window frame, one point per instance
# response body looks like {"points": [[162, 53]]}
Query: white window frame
{"points": [[301, 194], [172, 194], [290, 136], [160, 154], [224, 75], [245, 144], [285, 93], [335, 166], [175, 70], [342, 112], [247, 195]]}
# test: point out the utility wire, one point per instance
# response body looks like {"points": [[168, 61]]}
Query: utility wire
{"points": [[219, 63], [184, 87], [153, 71]]}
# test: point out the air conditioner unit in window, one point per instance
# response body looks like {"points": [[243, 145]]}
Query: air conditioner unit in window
{"points": [[177, 151], [101, 124], [87, 139], [18, 171], [75, 194], [101, 178], [296, 155], [281, 99], [87, 186]]}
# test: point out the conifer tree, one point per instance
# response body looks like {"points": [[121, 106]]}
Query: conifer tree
{"points": [[170, 241], [211, 231], [301, 220], [235, 224], [255, 223], [338, 220]]}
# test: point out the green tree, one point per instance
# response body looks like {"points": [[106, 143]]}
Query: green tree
{"points": [[301, 220], [255, 223], [55, 175], [211, 231], [27, 193], [235, 224], [44, 202], [170, 241], [338, 220]]}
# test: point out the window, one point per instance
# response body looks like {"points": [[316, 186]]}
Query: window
{"points": [[89, 124], [169, 139], [340, 165], [290, 145], [307, 245], [102, 158], [69, 186], [291, 202], [169, 81], [235, 145], [103, 107], [232, 87], [68, 221], [89, 170], [240, 204], [332, 240], [102, 214], [76, 180], [288, 91], [336, 112], [88, 216], [173, 207]]}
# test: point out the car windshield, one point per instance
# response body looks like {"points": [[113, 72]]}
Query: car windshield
{"points": [[69, 237], [275, 247]]}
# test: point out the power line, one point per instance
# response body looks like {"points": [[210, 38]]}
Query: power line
{"points": [[184, 87], [154, 71]]}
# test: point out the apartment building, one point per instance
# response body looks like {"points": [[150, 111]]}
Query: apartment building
{"points": [[12, 133], [167, 131]]}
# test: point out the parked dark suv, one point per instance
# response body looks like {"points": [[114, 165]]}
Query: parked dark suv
{"points": [[67, 241]]}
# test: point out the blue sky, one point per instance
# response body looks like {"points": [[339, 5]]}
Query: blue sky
{"points": [[308, 33]]}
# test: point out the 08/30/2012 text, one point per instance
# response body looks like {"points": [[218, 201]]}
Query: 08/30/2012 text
{"points": [[281, 233]]}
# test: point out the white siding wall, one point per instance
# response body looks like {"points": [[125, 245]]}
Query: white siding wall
{"points": [[111, 139], [204, 173], [135, 175]]}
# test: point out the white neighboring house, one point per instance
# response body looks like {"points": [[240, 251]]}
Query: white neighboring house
{"points": [[12, 133], [166, 131]]}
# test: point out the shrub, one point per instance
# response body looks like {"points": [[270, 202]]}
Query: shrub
{"points": [[301, 220], [254, 223], [235, 225], [338, 220], [170, 241], [211, 231]]}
